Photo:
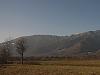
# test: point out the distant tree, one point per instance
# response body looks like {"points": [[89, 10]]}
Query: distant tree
{"points": [[3, 55], [20, 47], [5, 52]]}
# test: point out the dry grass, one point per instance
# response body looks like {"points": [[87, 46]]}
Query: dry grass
{"points": [[54, 68]]}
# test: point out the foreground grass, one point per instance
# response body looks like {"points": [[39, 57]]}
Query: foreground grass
{"points": [[55, 68]]}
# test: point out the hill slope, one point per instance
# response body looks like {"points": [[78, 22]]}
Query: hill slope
{"points": [[74, 45]]}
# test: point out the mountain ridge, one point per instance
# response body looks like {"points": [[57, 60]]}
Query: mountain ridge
{"points": [[86, 43]]}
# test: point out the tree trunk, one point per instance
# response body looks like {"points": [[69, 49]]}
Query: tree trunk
{"points": [[22, 58]]}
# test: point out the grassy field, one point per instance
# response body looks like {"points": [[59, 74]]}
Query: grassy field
{"points": [[71, 67]]}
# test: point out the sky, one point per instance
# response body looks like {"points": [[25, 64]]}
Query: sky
{"points": [[47, 17]]}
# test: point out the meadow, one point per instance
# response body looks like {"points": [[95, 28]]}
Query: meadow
{"points": [[63, 67]]}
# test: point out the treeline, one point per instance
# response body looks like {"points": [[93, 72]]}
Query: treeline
{"points": [[54, 58]]}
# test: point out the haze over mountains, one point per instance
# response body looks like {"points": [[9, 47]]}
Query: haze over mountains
{"points": [[87, 43]]}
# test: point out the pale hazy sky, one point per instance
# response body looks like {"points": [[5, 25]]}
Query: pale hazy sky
{"points": [[52, 17]]}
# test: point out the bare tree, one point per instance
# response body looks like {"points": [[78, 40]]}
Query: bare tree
{"points": [[21, 48], [5, 52], [3, 55]]}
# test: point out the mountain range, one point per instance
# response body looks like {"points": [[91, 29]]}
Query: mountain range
{"points": [[81, 44]]}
